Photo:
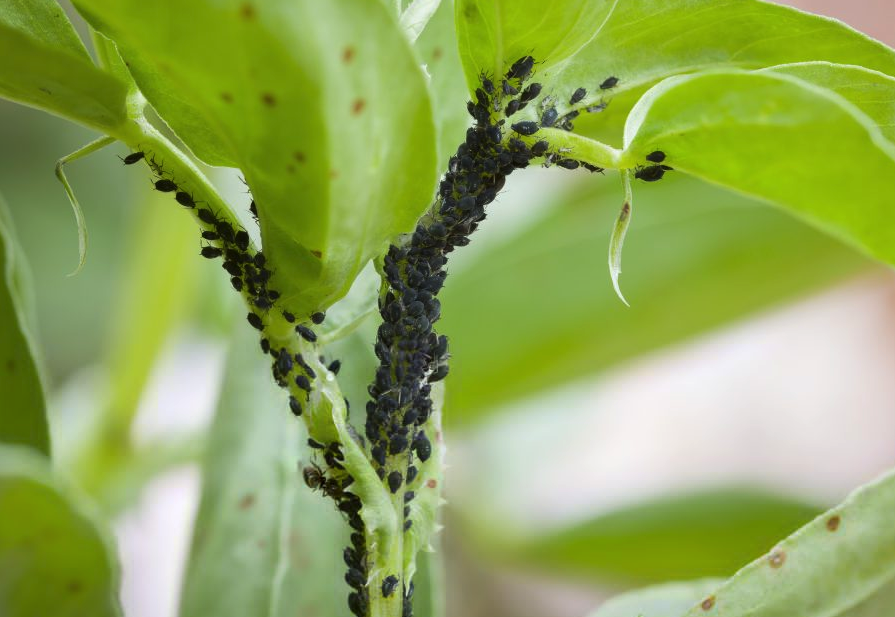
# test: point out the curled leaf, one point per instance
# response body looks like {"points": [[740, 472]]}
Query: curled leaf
{"points": [[617, 240], [75, 206]]}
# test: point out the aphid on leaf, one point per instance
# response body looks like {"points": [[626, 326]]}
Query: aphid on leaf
{"points": [[294, 406], [133, 157], [609, 83], [211, 252], [521, 69], [185, 199], [306, 333], [526, 127], [656, 156], [651, 173], [255, 320], [389, 584], [578, 96], [165, 186]]}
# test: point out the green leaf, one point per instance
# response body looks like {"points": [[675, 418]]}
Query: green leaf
{"points": [[45, 65], [696, 258], [644, 41], [827, 567], [870, 91], [54, 559], [23, 419], [493, 34], [416, 16], [668, 600], [322, 105], [673, 599], [437, 48], [263, 543], [710, 533], [777, 138]]}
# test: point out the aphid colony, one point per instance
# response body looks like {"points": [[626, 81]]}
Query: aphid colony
{"points": [[411, 355]]}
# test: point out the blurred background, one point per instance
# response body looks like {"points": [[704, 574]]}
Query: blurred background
{"points": [[748, 387]]}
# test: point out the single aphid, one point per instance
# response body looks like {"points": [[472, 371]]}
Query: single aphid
{"points": [[165, 186], [294, 406], [133, 157], [656, 156], [306, 333], [578, 96], [185, 199], [609, 83], [526, 127], [211, 252], [389, 584], [255, 320], [395, 479]]}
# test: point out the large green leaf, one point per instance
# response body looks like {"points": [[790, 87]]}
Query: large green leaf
{"points": [[263, 544], [673, 599], [667, 600], [778, 138], [832, 565], [322, 105], [54, 560], [45, 65], [23, 418], [493, 34], [870, 91], [711, 533], [697, 257], [644, 41]]}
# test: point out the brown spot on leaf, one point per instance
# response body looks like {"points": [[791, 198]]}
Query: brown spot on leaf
{"points": [[708, 603], [299, 156], [432, 483], [74, 587], [777, 558], [333, 174], [833, 522], [437, 53], [247, 501], [348, 54], [268, 99], [247, 11], [317, 254], [10, 366], [226, 97], [290, 168], [358, 106]]}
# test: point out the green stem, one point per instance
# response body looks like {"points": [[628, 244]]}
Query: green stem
{"points": [[580, 148]]}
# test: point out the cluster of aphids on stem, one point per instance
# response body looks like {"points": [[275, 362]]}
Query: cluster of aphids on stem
{"points": [[411, 355], [250, 276]]}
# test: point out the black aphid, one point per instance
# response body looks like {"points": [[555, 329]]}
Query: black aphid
{"points": [[211, 252], [185, 199], [165, 186], [389, 584], [548, 118], [133, 157], [521, 69], [656, 156], [206, 216], [294, 406], [306, 333], [651, 173], [242, 240], [318, 317], [578, 96], [530, 93], [395, 480], [302, 382], [288, 316], [255, 320], [334, 367], [608, 83], [526, 127]]}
